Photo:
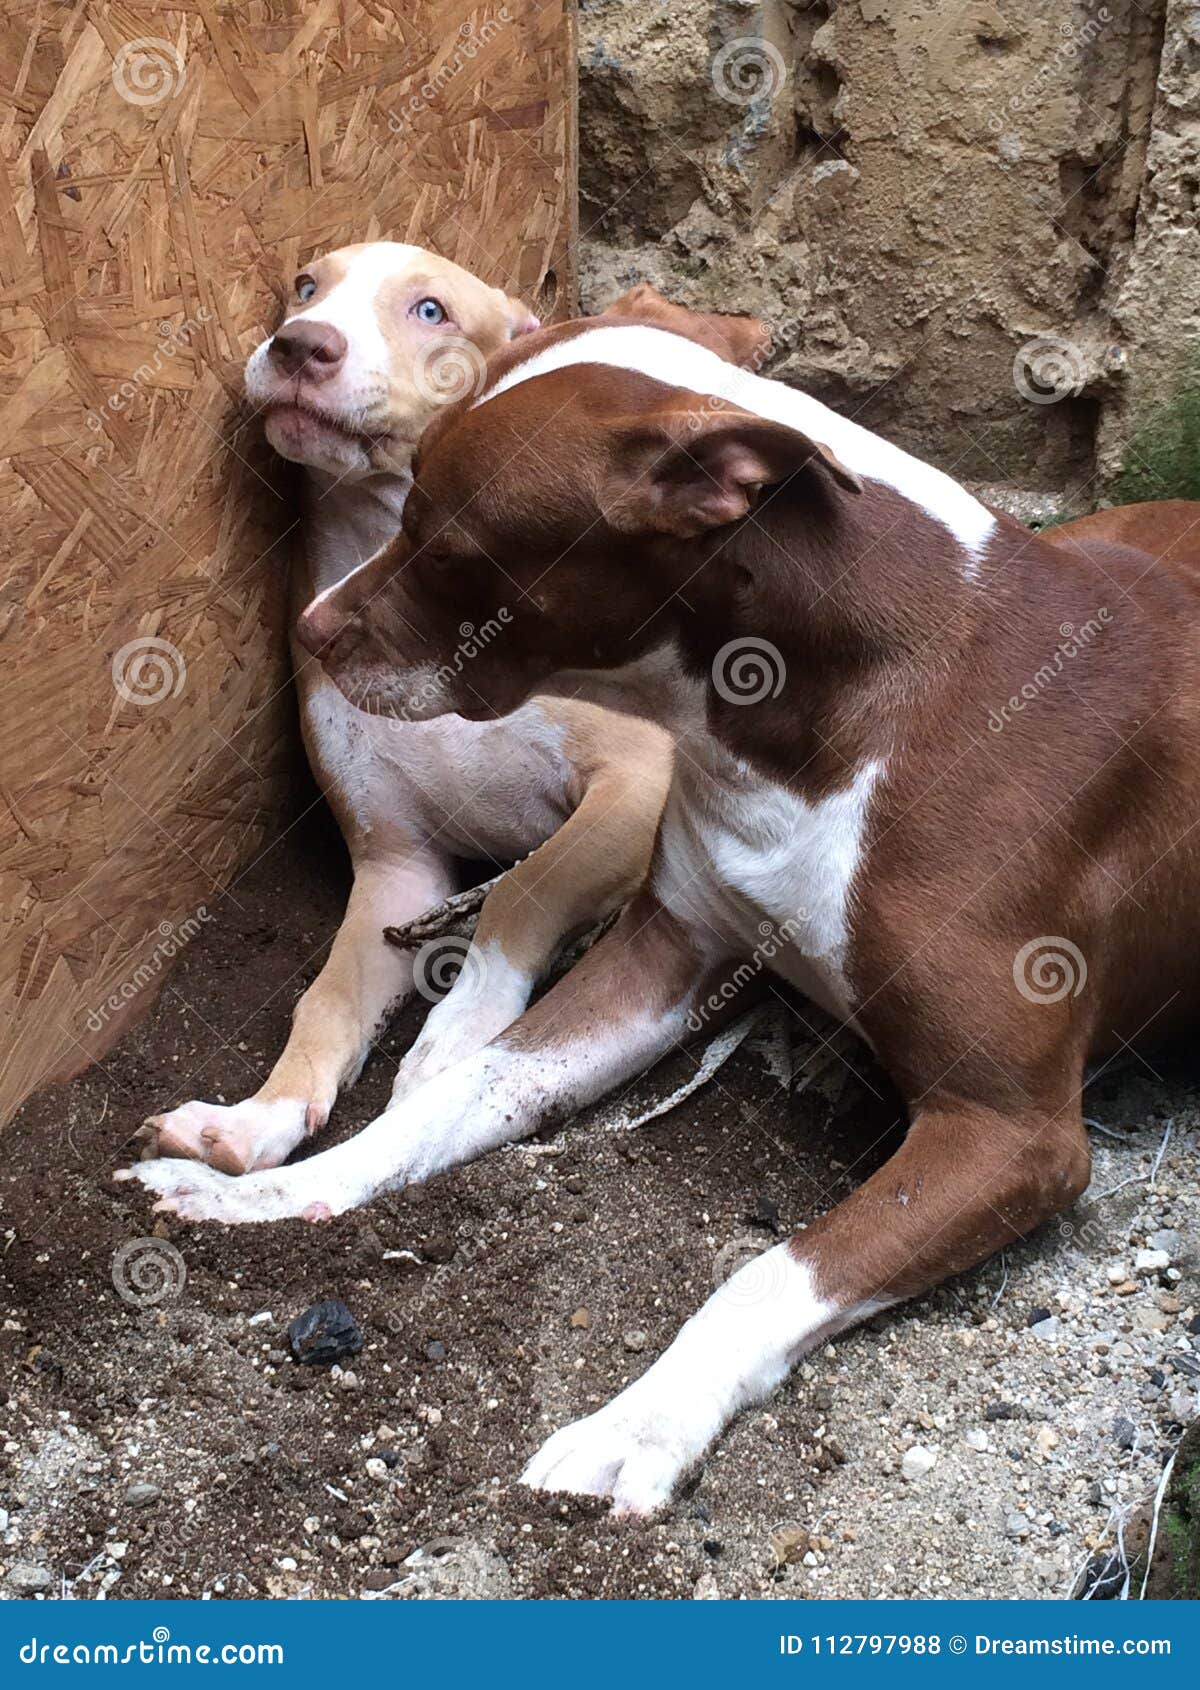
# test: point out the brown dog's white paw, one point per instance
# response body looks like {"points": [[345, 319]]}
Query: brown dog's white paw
{"points": [[199, 1193], [624, 1456], [233, 1138]]}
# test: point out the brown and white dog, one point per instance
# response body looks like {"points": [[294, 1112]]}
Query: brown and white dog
{"points": [[990, 909], [377, 337]]}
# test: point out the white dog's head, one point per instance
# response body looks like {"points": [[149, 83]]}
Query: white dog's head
{"points": [[377, 338]]}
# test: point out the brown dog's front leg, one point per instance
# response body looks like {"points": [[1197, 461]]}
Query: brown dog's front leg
{"points": [[632, 998], [965, 1183]]}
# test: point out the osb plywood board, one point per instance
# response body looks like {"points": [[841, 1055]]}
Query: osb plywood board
{"points": [[164, 172]]}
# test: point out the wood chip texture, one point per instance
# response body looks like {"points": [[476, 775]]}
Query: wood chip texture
{"points": [[164, 173]]}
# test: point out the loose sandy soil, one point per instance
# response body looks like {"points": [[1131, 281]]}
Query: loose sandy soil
{"points": [[259, 1477]]}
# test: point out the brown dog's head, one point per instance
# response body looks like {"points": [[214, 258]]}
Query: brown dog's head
{"points": [[376, 339], [552, 522]]}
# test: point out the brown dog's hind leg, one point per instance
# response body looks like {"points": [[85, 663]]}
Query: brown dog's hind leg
{"points": [[965, 1183]]}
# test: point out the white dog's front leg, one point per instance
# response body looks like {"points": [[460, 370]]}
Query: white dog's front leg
{"points": [[610, 1018], [494, 1096]]}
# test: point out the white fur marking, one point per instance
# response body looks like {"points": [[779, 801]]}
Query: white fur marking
{"points": [[679, 362], [734, 1351], [765, 869], [744, 859]]}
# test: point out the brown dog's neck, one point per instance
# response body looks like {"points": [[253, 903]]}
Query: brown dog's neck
{"points": [[824, 624]]}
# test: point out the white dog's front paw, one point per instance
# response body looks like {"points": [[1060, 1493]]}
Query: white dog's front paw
{"points": [[235, 1137], [635, 1458], [200, 1193]]}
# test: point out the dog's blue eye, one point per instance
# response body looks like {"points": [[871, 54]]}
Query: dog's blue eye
{"points": [[429, 311], [305, 288]]}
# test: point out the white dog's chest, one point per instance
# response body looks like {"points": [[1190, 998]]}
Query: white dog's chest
{"points": [[767, 874], [488, 789]]}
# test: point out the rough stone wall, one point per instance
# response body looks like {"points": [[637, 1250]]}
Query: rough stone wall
{"points": [[973, 228]]}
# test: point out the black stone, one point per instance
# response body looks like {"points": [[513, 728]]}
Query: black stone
{"points": [[1103, 1578], [323, 1334]]}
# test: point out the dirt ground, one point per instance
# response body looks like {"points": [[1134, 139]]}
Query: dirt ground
{"points": [[172, 1447]]}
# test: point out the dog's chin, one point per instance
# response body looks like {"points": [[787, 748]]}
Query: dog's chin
{"points": [[305, 438], [412, 696]]}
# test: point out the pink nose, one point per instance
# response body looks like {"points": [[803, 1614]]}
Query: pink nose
{"points": [[313, 350], [319, 627]]}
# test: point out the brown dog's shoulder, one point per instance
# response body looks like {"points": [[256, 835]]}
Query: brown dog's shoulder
{"points": [[742, 340]]}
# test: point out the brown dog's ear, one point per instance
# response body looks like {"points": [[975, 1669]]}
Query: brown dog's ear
{"points": [[686, 472], [740, 340]]}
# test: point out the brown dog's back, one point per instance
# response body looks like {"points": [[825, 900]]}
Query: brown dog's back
{"points": [[1166, 529]]}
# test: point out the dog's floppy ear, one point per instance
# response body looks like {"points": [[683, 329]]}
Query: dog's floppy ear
{"points": [[519, 317], [684, 472], [741, 340]]}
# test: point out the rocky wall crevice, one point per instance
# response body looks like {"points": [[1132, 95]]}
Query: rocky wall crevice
{"points": [[972, 230]]}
